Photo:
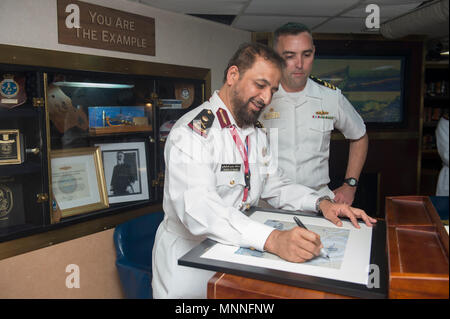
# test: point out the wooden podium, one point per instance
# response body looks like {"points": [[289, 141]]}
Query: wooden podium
{"points": [[417, 252], [417, 249]]}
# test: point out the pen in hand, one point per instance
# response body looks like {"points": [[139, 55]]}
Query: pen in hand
{"points": [[323, 252]]}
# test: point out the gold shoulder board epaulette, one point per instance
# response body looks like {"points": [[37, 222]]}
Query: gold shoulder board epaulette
{"points": [[322, 82], [202, 122], [258, 124]]}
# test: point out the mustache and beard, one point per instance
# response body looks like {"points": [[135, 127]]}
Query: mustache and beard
{"points": [[245, 116]]}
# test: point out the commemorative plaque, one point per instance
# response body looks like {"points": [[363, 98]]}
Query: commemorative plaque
{"points": [[11, 204], [12, 90], [11, 147]]}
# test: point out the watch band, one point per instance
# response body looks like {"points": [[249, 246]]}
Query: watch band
{"points": [[319, 200]]}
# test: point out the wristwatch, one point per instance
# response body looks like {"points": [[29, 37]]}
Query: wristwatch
{"points": [[319, 200], [351, 181]]}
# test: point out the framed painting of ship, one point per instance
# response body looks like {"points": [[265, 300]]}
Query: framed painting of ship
{"points": [[374, 85]]}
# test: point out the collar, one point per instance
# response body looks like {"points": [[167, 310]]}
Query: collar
{"points": [[224, 115], [311, 89], [221, 111]]}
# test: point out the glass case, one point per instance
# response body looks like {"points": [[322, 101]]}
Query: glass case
{"points": [[102, 142], [84, 143], [23, 151]]}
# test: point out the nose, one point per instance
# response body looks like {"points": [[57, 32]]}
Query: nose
{"points": [[266, 96], [299, 62]]}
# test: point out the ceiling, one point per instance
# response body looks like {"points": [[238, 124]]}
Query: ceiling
{"points": [[321, 16], [324, 16]]}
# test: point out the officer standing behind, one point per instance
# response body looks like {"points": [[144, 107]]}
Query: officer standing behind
{"points": [[217, 165], [305, 110]]}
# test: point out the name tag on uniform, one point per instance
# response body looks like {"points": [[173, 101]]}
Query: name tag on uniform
{"points": [[271, 115], [230, 167]]}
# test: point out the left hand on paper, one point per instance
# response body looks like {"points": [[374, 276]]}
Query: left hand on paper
{"points": [[332, 212]]}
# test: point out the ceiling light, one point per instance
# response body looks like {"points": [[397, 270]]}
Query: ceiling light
{"points": [[94, 85]]}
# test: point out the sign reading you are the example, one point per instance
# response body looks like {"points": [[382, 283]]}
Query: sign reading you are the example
{"points": [[93, 26]]}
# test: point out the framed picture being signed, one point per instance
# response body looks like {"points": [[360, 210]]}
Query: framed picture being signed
{"points": [[125, 167], [78, 182]]}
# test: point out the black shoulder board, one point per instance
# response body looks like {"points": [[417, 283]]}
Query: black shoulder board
{"points": [[322, 82], [258, 124], [202, 122]]}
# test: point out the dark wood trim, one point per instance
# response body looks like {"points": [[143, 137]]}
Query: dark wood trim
{"points": [[85, 62]]}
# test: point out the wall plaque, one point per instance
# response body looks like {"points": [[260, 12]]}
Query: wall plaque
{"points": [[87, 25], [11, 147], [11, 205]]}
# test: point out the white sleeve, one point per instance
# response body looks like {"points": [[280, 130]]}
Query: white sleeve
{"points": [[348, 121], [281, 192], [191, 191], [442, 139]]}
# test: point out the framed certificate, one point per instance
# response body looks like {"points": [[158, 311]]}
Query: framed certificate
{"points": [[11, 147], [78, 182]]}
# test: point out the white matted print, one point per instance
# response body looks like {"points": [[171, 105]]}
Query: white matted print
{"points": [[125, 166], [348, 247]]}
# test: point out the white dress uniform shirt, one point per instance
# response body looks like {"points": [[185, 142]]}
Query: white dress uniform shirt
{"points": [[305, 120], [203, 193], [442, 146]]}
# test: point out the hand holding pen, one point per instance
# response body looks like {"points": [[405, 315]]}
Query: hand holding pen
{"points": [[295, 245], [323, 252]]}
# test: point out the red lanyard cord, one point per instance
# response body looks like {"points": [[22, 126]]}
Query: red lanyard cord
{"points": [[243, 150]]}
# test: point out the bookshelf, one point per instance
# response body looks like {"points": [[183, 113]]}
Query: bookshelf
{"points": [[435, 104]]}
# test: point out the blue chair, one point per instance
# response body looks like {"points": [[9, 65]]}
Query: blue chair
{"points": [[441, 205], [134, 241]]}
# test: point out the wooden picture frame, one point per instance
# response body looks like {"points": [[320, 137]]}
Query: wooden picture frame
{"points": [[77, 181]]}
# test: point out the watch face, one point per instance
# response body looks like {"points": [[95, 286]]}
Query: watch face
{"points": [[351, 181]]}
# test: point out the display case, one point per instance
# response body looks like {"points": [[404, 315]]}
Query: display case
{"points": [[23, 151], [82, 137]]}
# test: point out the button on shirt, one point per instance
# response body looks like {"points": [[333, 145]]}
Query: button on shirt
{"points": [[203, 197], [304, 122]]}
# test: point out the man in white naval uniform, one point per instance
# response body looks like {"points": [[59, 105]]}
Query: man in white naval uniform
{"points": [[306, 110], [217, 164]]}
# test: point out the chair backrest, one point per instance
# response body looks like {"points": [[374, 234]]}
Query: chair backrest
{"points": [[134, 239], [441, 205]]}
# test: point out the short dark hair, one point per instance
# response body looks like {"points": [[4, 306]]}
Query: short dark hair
{"points": [[246, 55], [290, 28]]}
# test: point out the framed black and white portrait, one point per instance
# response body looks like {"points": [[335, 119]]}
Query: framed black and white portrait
{"points": [[125, 167]]}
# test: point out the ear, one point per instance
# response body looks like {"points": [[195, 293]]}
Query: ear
{"points": [[232, 75]]}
